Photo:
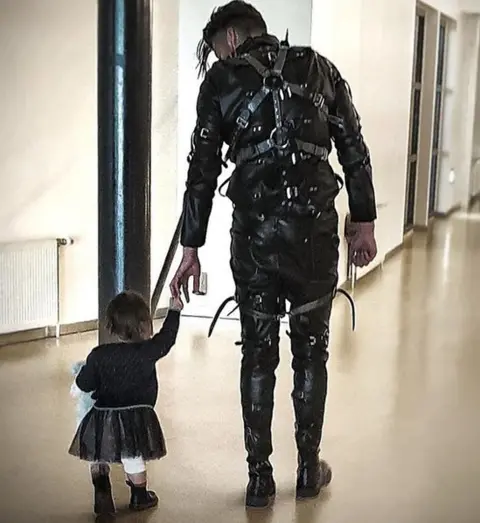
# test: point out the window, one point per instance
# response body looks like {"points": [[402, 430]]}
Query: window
{"points": [[437, 120], [417, 77]]}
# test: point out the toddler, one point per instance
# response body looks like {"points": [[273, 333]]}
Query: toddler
{"points": [[122, 426]]}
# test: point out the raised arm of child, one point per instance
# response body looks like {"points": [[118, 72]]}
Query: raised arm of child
{"points": [[159, 346]]}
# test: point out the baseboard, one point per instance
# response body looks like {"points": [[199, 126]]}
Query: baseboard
{"points": [[474, 199], [448, 214], [66, 329]]}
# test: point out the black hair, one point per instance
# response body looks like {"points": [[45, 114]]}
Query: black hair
{"points": [[237, 14], [128, 317]]}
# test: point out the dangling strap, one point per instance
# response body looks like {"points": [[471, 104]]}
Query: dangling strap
{"points": [[217, 314], [352, 304], [222, 185]]}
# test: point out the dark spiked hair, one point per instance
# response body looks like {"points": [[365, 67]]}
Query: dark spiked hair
{"points": [[237, 14]]}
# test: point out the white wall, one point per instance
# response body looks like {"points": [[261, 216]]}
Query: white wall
{"points": [[475, 176], [465, 109], [469, 6], [48, 143], [449, 8]]}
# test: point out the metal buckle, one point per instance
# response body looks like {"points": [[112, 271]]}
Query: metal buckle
{"points": [[243, 119], [318, 100], [292, 192], [204, 132]]}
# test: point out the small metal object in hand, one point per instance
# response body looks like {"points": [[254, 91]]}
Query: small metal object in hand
{"points": [[203, 285]]}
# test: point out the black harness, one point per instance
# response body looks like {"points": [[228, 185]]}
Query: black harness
{"points": [[278, 88]]}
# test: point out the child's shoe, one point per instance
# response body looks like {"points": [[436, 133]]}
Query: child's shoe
{"points": [[103, 499], [141, 498]]}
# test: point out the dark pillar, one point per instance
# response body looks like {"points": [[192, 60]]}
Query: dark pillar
{"points": [[124, 142]]}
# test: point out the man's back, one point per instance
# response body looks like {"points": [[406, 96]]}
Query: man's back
{"points": [[278, 109], [280, 147]]}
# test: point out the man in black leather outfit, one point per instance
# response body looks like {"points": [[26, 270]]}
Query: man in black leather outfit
{"points": [[278, 108]]}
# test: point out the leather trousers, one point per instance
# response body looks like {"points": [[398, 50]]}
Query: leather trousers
{"points": [[275, 260]]}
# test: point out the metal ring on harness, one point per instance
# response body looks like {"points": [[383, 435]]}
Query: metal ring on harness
{"points": [[282, 133], [273, 81]]}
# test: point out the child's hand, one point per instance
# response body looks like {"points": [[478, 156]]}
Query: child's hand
{"points": [[176, 304]]}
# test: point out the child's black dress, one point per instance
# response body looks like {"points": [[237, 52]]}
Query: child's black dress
{"points": [[123, 423]]}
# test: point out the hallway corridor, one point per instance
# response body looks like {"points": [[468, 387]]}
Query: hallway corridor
{"points": [[402, 430]]}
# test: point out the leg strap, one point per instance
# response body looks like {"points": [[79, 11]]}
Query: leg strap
{"points": [[297, 311]]}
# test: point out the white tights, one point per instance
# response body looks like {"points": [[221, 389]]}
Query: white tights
{"points": [[130, 465]]}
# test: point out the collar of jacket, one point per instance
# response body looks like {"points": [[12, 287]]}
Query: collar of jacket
{"points": [[250, 44]]}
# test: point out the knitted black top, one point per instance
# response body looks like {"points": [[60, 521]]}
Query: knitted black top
{"points": [[124, 374]]}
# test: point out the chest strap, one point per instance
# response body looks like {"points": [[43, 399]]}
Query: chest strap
{"points": [[254, 151]]}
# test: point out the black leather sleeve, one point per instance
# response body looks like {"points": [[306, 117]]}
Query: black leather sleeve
{"points": [[205, 166], [352, 151]]}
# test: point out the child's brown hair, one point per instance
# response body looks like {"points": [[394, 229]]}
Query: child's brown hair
{"points": [[129, 317]]}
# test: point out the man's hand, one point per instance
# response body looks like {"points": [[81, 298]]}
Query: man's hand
{"points": [[189, 267], [362, 244]]}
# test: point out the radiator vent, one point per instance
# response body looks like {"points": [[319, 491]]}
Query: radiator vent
{"points": [[28, 285]]}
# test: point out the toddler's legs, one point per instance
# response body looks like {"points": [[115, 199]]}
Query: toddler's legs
{"points": [[136, 472], [103, 500]]}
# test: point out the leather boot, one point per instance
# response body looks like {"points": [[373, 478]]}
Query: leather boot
{"points": [[261, 487], [103, 499], [258, 381], [309, 394], [141, 498], [312, 476]]}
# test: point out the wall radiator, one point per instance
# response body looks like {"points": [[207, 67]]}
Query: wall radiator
{"points": [[29, 285]]}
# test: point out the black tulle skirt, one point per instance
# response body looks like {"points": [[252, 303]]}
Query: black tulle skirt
{"points": [[109, 435]]}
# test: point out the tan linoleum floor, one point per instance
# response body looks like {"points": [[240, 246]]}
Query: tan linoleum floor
{"points": [[403, 422]]}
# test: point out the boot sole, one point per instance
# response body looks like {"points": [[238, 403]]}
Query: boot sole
{"points": [[309, 493], [104, 505], [253, 502], [141, 508]]}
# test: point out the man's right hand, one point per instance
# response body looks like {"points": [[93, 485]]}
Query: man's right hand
{"points": [[189, 267]]}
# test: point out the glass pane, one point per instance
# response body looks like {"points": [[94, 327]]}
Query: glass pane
{"points": [[432, 200], [411, 189], [437, 119], [442, 41], [415, 121], [419, 50]]}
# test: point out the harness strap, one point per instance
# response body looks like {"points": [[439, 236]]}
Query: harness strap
{"points": [[280, 62], [257, 65], [297, 311], [254, 151], [243, 120]]}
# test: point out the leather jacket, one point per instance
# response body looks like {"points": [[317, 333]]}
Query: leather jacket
{"points": [[281, 151]]}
